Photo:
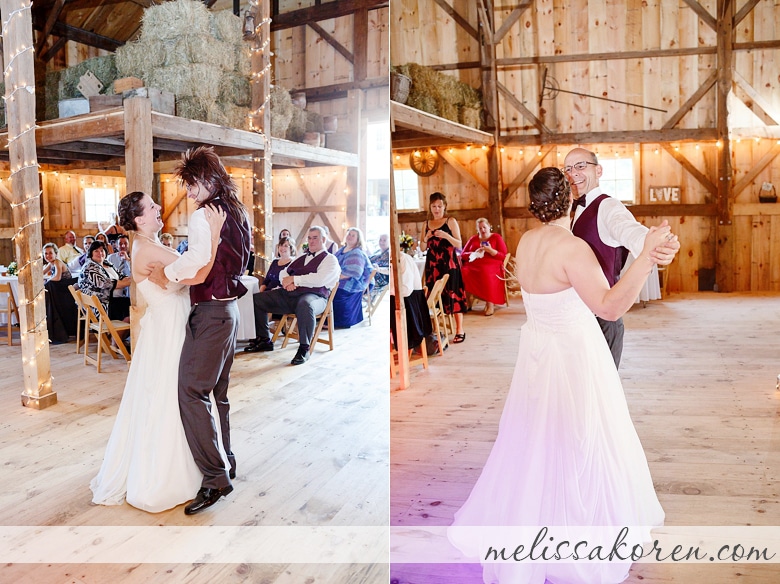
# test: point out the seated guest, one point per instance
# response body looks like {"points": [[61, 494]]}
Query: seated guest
{"points": [[69, 252], [113, 231], [483, 266], [285, 233], [306, 285], [330, 245], [54, 269], [99, 278], [285, 251], [121, 262], [166, 239], [418, 319], [104, 238], [355, 271], [76, 264], [381, 261]]}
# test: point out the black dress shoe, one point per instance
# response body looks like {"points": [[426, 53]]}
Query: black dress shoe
{"points": [[257, 346], [300, 357], [206, 498], [232, 474]]}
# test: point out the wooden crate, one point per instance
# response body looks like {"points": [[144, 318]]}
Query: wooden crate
{"points": [[101, 102], [162, 101]]}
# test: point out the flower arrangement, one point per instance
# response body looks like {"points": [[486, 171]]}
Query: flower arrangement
{"points": [[406, 242], [305, 248], [12, 269]]}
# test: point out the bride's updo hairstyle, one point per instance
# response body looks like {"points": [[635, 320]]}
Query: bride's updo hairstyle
{"points": [[550, 194], [129, 208]]}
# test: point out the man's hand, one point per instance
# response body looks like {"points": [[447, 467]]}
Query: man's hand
{"points": [[157, 276], [664, 254], [288, 283]]}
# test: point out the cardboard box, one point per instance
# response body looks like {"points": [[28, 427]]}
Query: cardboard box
{"points": [[102, 102], [73, 107], [162, 101]]}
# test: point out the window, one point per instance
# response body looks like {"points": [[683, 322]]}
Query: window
{"points": [[407, 190], [617, 178], [100, 205]]}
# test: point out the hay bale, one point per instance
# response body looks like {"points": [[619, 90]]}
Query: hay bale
{"points": [[243, 56], [470, 97], [422, 102], [192, 108], [198, 48], [194, 80], [227, 27], [281, 111], [237, 116], [235, 89], [297, 127], [438, 93], [52, 95], [174, 19], [313, 122], [140, 58], [470, 116], [104, 68]]}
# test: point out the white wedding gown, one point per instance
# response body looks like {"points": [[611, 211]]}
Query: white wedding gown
{"points": [[147, 460], [567, 453]]}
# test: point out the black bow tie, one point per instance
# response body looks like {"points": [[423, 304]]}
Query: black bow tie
{"points": [[577, 202], [311, 253]]}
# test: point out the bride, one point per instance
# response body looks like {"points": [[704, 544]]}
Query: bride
{"points": [[567, 455], [147, 460]]}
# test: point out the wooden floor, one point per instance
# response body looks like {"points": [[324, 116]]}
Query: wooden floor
{"points": [[700, 374], [311, 444]]}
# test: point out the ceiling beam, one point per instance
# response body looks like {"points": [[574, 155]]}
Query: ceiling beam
{"points": [[320, 12], [332, 42], [464, 24], [54, 14]]}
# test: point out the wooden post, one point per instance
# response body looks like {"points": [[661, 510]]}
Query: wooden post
{"points": [[725, 261], [356, 176], [19, 77], [398, 308], [260, 121]]}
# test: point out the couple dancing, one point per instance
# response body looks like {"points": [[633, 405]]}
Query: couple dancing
{"points": [[168, 445], [567, 455]]}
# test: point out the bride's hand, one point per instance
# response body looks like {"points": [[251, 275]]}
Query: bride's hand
{"points": [[216, 217], [657, 237]]}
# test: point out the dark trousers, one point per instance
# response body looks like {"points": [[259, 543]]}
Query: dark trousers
{"points": [[306, 307], [613, 332], [204, 367]]}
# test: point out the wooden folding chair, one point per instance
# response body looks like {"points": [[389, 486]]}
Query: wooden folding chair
{"points": [[506, 275], [105, 329], [81, 323], [372, 302], [663, 274], [10, 309], [436, 310], [325, 317], [421, 360]]}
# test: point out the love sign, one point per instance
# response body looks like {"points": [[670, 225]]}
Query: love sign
{"points": [[664, 194]]}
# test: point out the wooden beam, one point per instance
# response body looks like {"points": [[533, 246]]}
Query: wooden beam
{"points": [[462, 22], [692, 170], [407, 117], [524, 174], [85, 37], [175, 128], [510, 20], [520, 107], [691, 101], [340, 90], [745, 10], [756, 169], [463, 172], [771, 132], [617, 137], [757, 98], [324, 156], [341, 49], [397, 305], [55, 48], [138, 144], [169, 209], [7, 232], [54, 14], [459, 214], [325, 11], [360, 45], [757, 45], [702, 13], [6, 194]]}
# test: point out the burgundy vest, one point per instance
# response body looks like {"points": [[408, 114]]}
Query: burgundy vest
{"points": [[224, 279], [611, 259], [298, 268]]}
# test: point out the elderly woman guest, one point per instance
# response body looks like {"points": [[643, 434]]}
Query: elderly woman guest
{"points": [[355, 271], [285, 252], [99, 278], [483, 266], [441, 238], [381, 261], [166, 239], [55, 269]]}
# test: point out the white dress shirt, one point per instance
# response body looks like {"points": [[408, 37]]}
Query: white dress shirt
{"points": [[327, 275], [198, 253], [616, 225], [410, 275]]}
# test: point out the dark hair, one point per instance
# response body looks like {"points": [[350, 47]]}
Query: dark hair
{"points": [[129, 208], [202, 164], [289, 241], [94, 246], [550, 194], [437, 196], [122, 236]]}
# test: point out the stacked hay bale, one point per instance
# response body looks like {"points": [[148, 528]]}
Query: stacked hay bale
{"points": [[63, 84], [442, 95], [197, 55]]}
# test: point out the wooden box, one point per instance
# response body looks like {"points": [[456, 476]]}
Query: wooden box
{"points": [[162, 101], [126, 84], [101, 102]]}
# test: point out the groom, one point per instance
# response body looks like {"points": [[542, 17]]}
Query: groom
{"points": [[210, 341]]}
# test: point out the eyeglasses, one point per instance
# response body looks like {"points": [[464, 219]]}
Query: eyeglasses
{"points": [[579, 166]]}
